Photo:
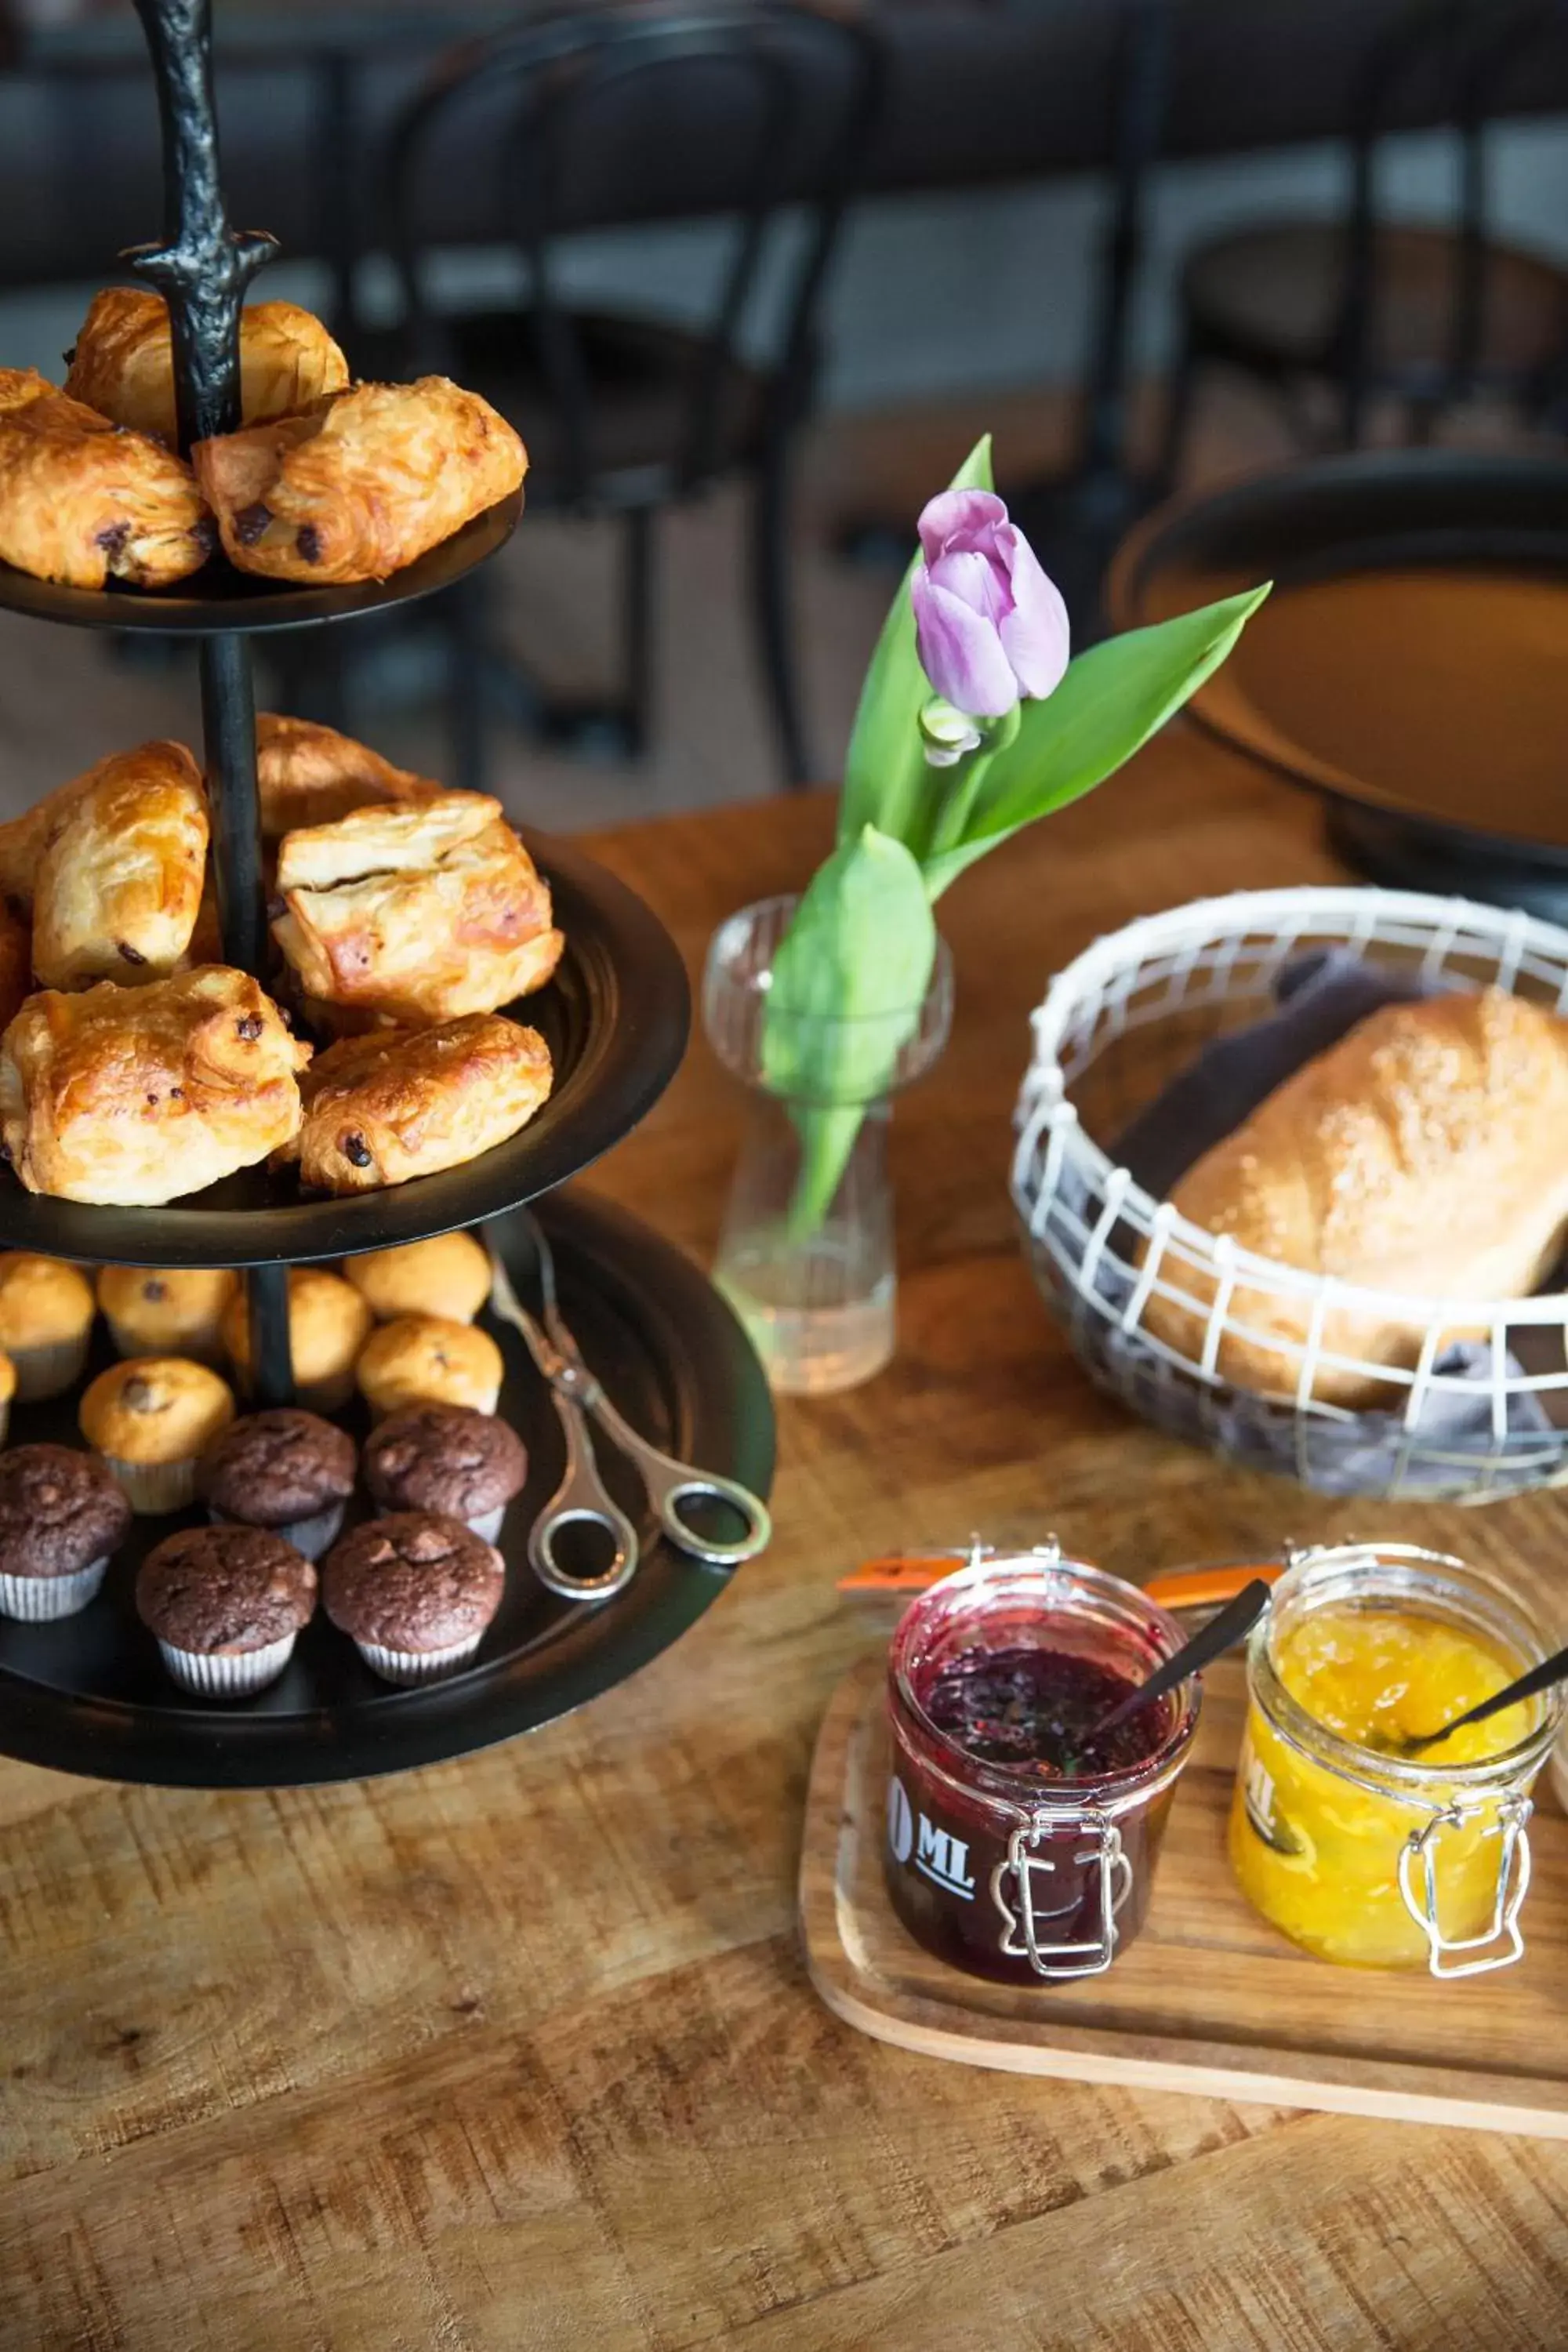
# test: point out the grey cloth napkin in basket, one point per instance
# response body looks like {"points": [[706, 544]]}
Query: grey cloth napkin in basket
{"points": [[1452, 1448]]}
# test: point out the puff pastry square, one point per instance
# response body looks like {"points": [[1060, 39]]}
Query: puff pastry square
{"points": [[360, 485], [415, 913], [119, 879], [310, 775], [132, 1097], [124, 364], [404, 1103], [85, 501]]}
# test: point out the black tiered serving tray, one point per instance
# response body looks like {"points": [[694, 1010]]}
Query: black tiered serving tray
{"points": [[89, 1694]]}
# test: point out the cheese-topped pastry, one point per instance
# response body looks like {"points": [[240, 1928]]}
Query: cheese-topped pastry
{"points": [[119, 881], [362, 484], [309, 775], [85, 501], [123, 363], [403, 1103], [415, 913], [138, 1096]]}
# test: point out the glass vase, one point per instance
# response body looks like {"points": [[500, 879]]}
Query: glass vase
{"points": [[814, 1285]]}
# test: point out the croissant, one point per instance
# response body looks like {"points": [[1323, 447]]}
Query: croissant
{"points": [[25, 839], [119, 881], [132, 1097], [381, 1110], [310, 775], [85, 501], [124, 364], [360, 485], [415, 913]]}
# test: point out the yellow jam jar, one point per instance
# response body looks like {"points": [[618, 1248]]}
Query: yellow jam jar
{"points": [[1353, 1851]]}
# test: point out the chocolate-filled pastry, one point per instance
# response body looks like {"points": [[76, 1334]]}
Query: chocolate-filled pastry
{"points": [[308, 774], [85, 501], [360, 485], [118, 882], [417, 913], [405, 1103], [123, 361], [134, 1097]]}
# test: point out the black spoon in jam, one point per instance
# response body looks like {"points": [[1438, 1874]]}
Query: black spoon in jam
{"points": [[1227, 1625]]}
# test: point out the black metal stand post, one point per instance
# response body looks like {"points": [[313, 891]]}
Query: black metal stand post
{"points": [[228, 736], [271, 1360]]}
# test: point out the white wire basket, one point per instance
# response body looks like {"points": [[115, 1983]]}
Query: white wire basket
{"points": [[1464, 1418]]}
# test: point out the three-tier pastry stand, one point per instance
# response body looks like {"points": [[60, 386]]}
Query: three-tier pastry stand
{"points": [[87, 1694]]}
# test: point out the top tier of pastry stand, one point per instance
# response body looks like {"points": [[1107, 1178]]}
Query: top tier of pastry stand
{"points": [[617, 1018]]}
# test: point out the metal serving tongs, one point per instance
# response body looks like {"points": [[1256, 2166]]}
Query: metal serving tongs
{"points": [[582, 1498]]}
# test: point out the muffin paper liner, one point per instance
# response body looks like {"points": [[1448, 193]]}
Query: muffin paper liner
{"points": [[49, 1371], [153, 1488], [235, 1675], [36, 1599], [417, 1665], [379, 1409], [488, 1524], [329, 1395], [199, 1347], [309, 1536]]}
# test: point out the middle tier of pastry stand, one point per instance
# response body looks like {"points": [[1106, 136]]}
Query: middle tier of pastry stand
{"points": [[87, 1694]]}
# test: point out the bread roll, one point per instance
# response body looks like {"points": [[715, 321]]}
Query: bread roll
{"points": [[1426, 1155]]}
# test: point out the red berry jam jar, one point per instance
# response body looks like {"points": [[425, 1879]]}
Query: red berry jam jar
{"points": [[1019, 1846]]}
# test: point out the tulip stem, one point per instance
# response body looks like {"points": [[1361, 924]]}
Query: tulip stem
{"points": [[965, 779]]}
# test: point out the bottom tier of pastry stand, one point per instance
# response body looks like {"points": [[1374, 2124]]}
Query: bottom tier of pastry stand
{"points": [[89, 1694]]}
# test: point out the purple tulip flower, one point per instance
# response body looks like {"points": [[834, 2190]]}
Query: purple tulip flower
{"points": [[990, 627]]}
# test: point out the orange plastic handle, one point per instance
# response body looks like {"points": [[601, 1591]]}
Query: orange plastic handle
{"points": [[1185, 1588]]}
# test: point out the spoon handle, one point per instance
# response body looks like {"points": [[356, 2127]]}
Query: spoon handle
{"points": [[1226, 1626], [1528, 1685]]}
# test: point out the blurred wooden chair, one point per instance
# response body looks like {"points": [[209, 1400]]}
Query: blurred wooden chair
{"points": [[753, 113], [1430, 312]]}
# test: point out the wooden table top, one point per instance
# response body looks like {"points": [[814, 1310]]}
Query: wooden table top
{"points": [[519, 2052]]}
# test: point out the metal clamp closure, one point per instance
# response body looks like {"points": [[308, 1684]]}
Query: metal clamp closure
{"points": [[1012, 1891], [1418, 1853]]}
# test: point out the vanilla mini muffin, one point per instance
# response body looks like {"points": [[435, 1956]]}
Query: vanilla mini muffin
{"points": [[426, 1360], [449, 1276], [283, 1469], [414, 1591], [151, 1419], [328, 1321], [167, 1311], [226, 1605], [45, 1320], [61, 1516], [446, 1458]]}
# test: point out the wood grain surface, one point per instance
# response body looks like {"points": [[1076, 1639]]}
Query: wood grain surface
{"points": [[1208, 1998], [520, 2051]]}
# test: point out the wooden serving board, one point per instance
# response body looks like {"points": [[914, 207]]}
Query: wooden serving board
{"points": [[1209, 1999]]}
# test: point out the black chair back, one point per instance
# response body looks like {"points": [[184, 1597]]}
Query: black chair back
{"points": [[1458, 64], [740, 109]]}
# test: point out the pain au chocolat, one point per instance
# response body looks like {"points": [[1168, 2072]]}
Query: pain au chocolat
{"points": [[118, 884], [402, 1103], [308, 775], [124, 364], [362, 484], [85, 501], [416, 913], [132, 1097]]}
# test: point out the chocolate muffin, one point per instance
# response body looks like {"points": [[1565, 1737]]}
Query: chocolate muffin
{"points": [[226, 1605], [448, 1459], [283, 1469], [415, 1592], [61, 1516]]}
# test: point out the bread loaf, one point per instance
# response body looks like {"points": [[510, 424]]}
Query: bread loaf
{"points": [[1426, 1155]]}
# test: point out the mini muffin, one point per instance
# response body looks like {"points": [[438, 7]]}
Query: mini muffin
{"points": [[426, 1360], [447, 1459], [8, 1390], [61, 1516], [449, 1276], [414, 1591], [328, 1321], [282, 1469], [167, 1311], [226, 1605], [152, 1419], [45, 1320]]}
